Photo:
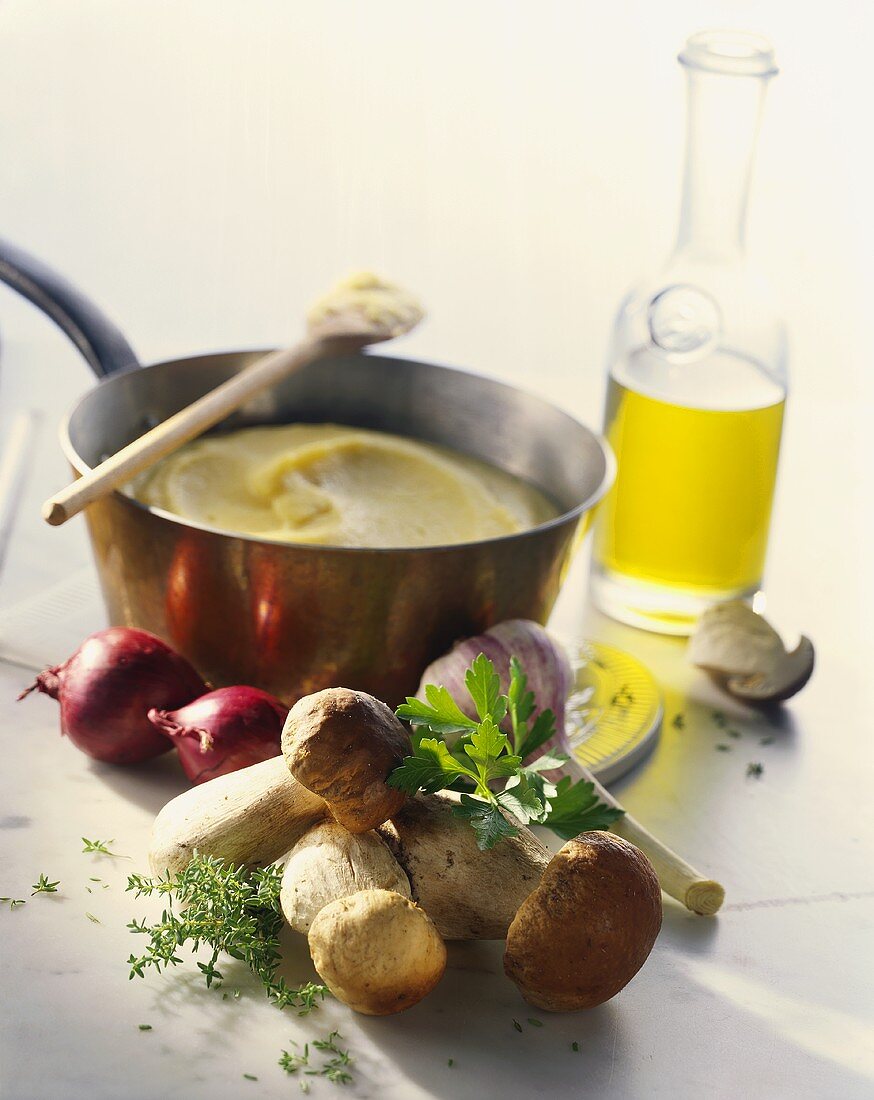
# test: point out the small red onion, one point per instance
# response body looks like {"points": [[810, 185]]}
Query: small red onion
{"points": [[223, 731], [543, 661], [107, 687]]}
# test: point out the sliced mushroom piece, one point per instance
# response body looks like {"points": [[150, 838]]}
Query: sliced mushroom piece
{"points": [[342, 745], [469, 894], [744, 653], [588, 928], [329, 863], [377, 951]]}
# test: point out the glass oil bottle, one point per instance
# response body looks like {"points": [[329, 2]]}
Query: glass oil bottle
{"points": [[697, 377]]}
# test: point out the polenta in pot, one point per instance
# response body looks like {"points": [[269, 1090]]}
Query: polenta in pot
{"points": [[324, 484]]}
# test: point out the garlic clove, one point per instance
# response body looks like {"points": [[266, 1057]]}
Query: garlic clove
{"points": [[746, 655]]}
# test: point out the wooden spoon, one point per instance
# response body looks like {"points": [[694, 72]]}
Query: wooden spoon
{"points": [[360, 311]]}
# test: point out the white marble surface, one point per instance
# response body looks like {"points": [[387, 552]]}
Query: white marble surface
{"points": [[198, 169]]}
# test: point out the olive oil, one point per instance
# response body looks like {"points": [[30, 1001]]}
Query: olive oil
{"points": [[697, 375], [691, 505]]}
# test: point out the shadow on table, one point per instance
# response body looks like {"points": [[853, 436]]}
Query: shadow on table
{"points": [[685, 931], [183, 987], [149, 785], [476, 1018]]}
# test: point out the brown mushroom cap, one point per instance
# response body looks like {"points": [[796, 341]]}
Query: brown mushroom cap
{"points": [[342, 745], [377, 951], [588, 928]]}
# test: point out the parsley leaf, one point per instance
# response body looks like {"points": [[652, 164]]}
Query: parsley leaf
{"points": [[520, 701], [484, 687], [431, 768], [548, 762], [541, 732], [487, 821], [486, 746], [441, 714], [576, 808], [521, 799], [484, 753]]}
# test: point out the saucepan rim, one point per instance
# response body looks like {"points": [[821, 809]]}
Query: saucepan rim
{"points": [[572, 514]]}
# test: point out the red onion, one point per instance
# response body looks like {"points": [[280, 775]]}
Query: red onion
{"points": [[107, 687], [223, 731], [543, 661]]}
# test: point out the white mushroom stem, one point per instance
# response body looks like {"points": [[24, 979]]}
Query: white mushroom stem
{"points": [[377, 951], [676, 877], [469, 894], [329, 863], [252, 816]]}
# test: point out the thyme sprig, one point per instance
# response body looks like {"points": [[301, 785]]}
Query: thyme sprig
{"points": [[43, 886], [99, 846], [335, 1068], [232, 910]]}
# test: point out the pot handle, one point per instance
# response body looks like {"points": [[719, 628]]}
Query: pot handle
{"points": [[101, 344]]}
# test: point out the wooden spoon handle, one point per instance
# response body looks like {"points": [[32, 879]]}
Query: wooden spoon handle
{"points": [[180, 428], [676, 877]]}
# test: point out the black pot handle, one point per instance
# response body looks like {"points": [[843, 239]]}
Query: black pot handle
{"points": [[101, 344]]}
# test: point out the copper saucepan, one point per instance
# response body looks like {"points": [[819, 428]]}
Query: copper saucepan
{"points": [[290, 618]]}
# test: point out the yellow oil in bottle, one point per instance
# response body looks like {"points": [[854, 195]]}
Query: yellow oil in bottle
{"points": [[690, 509]]}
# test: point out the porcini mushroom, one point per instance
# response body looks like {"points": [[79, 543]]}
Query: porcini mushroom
{"points": [[342, 745], [550, 677], [468, 893], [329, 863], [746, 655], [377, 951], [588, 927], [251, 816]]}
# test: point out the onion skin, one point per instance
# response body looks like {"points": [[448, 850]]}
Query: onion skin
{"points": [[223, 731], [107, 687], [543, 661]]}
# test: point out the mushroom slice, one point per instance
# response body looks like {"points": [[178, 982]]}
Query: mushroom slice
{"points": [[747, 656]]}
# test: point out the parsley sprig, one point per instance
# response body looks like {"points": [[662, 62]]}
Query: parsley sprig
{"points": [[228, 909], [481, 754]]}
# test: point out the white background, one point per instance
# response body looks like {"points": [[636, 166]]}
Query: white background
{"points": [[201, 169]]}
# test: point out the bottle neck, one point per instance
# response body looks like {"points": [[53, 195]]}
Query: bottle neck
{"points": [[723, 117]]}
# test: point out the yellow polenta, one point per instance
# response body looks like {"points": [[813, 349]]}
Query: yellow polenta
{"points": [[338, 486]]}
